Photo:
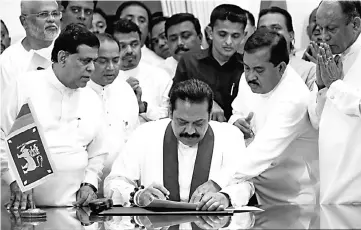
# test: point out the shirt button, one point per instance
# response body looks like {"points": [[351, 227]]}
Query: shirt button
{"points": [[332, 97]]}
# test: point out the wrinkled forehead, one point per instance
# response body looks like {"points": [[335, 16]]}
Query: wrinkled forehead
{"points": [[257, 58], [33, 7], [108, 48], [134, 11], [181, 27]]}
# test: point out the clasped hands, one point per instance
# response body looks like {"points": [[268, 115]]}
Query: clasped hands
{"points": [[206, 196], [329, 69]]}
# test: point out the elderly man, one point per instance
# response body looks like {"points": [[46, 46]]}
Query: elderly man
{"points": [[158, 40], [78, 12], [120, 105], [184, 34], [5, 37], [182, 157], [280, 20], [220, 65], [41, 21], [70, 117], [337, 109], [271, 109], [151, 84], [139, 13]]}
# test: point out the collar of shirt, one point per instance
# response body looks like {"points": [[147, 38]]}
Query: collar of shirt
{"points": [[53, 80], [100, 90], [206, 54], [356, 46], [132, 72]]}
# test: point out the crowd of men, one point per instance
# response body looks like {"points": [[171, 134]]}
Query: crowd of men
{"points": [[137, 109]]}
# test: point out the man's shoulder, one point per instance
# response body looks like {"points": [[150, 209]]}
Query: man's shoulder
{"points": [[224, 129], [155, 128], [195, 54], [155, 71]]}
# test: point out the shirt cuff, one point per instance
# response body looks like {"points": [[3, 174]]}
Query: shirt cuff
{"points": [[8, 177], [345, 98], [239, 193], [91, 178]]}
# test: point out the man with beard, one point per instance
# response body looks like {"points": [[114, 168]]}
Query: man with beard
{"points": [[41, 21], [78, 12], [182, 157], [151, 84], [70, 117], [139, 13], [183, 32], [220, 65], [120, 105], [158, 40], [5, 37]]}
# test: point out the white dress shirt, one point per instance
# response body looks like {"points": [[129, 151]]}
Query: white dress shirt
{"points": [[336, 112], [170, 65], [155, 84], [142, 160], [120, 112], [150, 57], [15, 60], [307, 70], [283, 157], [73, 129]]}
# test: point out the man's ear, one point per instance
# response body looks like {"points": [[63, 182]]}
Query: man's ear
{"points": [[22, 20], [357, 24], [62, 56], [282, 67], [209, 32]]}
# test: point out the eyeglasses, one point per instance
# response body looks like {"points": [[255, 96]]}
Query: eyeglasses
{"points": [[46, 14]]}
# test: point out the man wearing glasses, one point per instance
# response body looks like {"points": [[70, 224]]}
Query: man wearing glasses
{"points": [[78, 12], [41, 21]]}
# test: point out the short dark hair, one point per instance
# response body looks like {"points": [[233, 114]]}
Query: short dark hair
{"points": [[2, 22], [101, 12], [266, 38], [71, 38], [126, 26], [133, 3], [351, 9], [194, 91], [250, 18], [278, 10], [182, 17], [107, 37], [228, 12], [156, 20], [66, 3]]}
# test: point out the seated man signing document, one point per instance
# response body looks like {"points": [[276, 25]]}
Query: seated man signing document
{"points": [[181, 158]]}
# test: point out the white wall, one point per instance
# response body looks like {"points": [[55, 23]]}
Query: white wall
{"points": [[9, 13]]}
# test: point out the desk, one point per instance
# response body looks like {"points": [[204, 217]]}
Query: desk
{"points": [[274, 217]]}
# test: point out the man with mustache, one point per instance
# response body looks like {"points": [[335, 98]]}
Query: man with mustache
{"points": [[151, 84], [41, 21], [182, 157], [220, 65], [5, 37], [271, 108], [120, 105], [78, 12], [183, 33], [69, 115]]}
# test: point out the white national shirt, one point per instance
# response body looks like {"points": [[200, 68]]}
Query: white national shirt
{"points": [[155, 84], [307, 70], [120, 112], [15, 61], [73, 129], [142, 160], [283, 157], [336, 112], [170, 65], [150, 57]]}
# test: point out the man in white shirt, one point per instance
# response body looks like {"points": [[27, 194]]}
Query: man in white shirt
{"points": [[120, 105], [139, 13], [336, 110], [271, 108], [150, 83], [181, 158], [78, 12], [184, 34], [71, 120], [280, 20], [41, 21]]}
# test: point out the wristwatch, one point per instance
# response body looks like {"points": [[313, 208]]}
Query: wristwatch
{"points": [[228, 197]]}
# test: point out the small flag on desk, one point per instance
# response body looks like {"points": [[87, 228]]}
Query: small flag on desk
{"points": [[29, 157]]}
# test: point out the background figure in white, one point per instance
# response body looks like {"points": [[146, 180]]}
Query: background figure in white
{"points": [[280, 20], [120, 105], [150, 83], [337, 109], [271, 108], [140, 14]]}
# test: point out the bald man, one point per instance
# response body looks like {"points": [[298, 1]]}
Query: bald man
{"points": [[33, 51]]}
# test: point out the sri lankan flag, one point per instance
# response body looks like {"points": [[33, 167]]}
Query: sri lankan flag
{"points": [[29, 158]]}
